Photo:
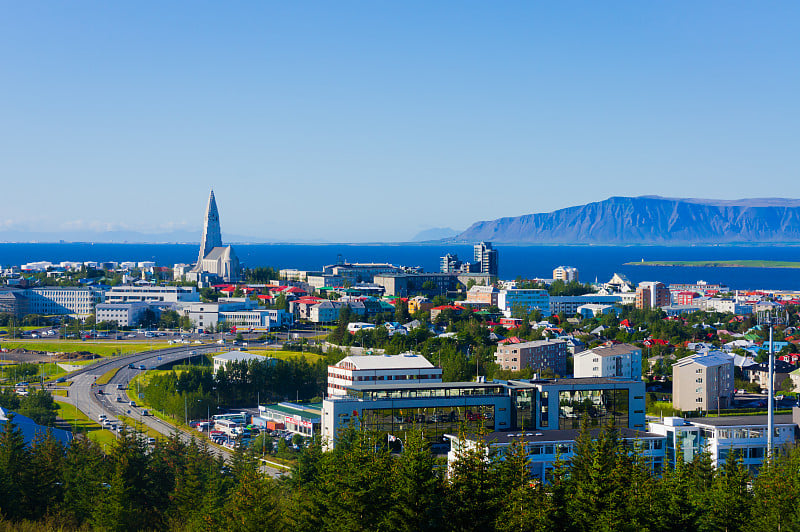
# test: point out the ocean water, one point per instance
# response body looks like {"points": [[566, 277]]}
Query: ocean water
{"points": [[593, 262]]}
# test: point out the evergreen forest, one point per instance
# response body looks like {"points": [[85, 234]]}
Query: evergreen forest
{"points": [[360, 485]]}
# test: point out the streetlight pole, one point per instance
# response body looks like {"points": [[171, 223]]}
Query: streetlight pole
{"points": [[771, 319]]}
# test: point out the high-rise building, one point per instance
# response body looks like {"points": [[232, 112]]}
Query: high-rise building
{"points": [[486, 257], [565, 273], [449, 263], [652, 294]]}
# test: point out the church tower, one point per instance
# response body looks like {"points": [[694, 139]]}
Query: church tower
{"points": [[211, 233]]}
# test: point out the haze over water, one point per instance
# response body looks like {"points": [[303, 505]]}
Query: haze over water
{"points": [[599, 262]]}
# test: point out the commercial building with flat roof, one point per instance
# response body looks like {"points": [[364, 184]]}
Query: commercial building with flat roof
{"points": [[721, 436], [444, 408], [367, 369], [544, 448], [296, 418]]}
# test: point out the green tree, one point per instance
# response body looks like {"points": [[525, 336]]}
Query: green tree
{"points": [[417, 491], [15, 476]]}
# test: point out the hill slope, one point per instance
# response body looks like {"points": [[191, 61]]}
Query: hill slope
{"points": [[650, 220]]}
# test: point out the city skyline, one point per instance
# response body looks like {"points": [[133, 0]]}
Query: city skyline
{"points": [[121, 118]]}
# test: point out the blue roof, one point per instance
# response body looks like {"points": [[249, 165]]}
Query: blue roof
{"points": [[30, 430]]}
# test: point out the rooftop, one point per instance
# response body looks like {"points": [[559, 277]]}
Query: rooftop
{"points": [[406, 361], [534, 436], [612, 350]]}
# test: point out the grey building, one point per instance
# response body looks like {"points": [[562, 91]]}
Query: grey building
{"points": [[14, 302], [406, 284]]}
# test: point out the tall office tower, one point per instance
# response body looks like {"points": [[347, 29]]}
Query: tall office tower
{"points": [[212, 237], [486, 257], [449, 263]]}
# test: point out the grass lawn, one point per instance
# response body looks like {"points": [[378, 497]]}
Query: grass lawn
{"points": [[60, 393], [78, 419], [107, 376], [278, 353], [49, 370], [134, 424], [98, 347], [720, 263], [659, 408]]}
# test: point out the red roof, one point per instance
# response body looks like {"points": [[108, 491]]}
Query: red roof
{"points": [[510, 340]]}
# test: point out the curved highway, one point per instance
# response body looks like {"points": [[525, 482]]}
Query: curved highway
{"points": [[83, 393]]}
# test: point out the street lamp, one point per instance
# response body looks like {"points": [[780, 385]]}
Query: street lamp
{"points": [[771, 319]]}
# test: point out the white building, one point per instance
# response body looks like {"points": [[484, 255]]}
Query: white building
{"points": [[205, 315], [257, 318], [152, 294], [123, 314], [565, 273], [525, 299], [222, 361], [325, 312], [544, 448], [620, 360], [721, 436], [179, 271], [408, 368], [727, 305], [78, 302]]}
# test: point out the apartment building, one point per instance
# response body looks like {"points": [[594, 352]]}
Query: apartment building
{"points": [[538, 355], [565, 273], [652, 294], [366, 369], [487, 257], [703, 381], [619, 360]]}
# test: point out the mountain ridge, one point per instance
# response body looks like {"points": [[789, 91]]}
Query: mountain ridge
{"points": [[650, 220]]}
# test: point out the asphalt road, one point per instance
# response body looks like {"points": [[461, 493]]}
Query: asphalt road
{"points": [[83, 393]]}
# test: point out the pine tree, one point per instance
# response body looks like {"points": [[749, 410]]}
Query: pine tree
{"points": [[728, 502], [84, 475], [14, 471], [776, 491], [253, 505], [124, 505], [469, 490], [47, 472], [417, 491], [527, 506]]}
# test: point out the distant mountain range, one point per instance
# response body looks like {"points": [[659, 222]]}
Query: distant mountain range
{"points": [[650, 220], [434, 233], [131, 237]]}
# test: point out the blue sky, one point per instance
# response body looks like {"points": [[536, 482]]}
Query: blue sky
{"points": [[350, 121]]}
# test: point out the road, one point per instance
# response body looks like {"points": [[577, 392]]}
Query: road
{"points": [[82, 392]]}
